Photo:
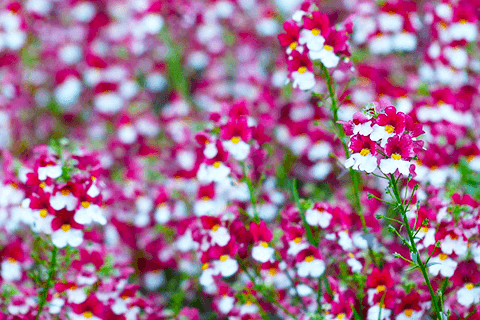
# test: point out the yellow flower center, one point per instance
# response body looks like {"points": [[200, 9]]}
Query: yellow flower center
{"points": [[224, 257], [14, 185], [309, 258], [293, 45], [408, 312], [340, 315], [396, 156], [85, 204], [389, 128], [380, 288], [124, 297], [302, 69], [425, 229], [433, 168], [470, 157], [364, 152], [205, 266], [43, 213], [11, 260], [328, 48], [315, 32], [351, 255], [66, 227], [65, 192], [320, 209], [469, 286], [297, 240], [442, 256], [87, 314], [217, 164], [235, 140], [463, 21], [42, 185], [215, 227], [264, 244], [273, 271]]}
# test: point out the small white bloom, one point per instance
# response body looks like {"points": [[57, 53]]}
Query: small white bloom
{"points": [[66, 235], [303, 80], [239, 150], [311, 267], [49, 171], [316, 217], [262, 252], [357, 161], [443, 265], [391, 165]]}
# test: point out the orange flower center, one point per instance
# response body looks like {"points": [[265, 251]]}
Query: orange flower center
{"points": [[442, 256], [302, 69], [85, 204], [389, 128], [65, 192], [87, 314], [215, 227], [408, 312], [380, 288], [309, 258], [66, 227]]}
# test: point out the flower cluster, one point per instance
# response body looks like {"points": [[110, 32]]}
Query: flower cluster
{"points": [[308, 38], [385, 139]]}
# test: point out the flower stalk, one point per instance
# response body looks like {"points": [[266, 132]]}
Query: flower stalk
{"points": [[48, 284]]}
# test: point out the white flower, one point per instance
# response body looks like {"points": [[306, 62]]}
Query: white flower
{"points": [[226, 304], [354, 264], [457, 245], [313, 39], [375, 313], [345, 241], [410, 314], [463, 30], [326, 55], [318, 217], [226, 266], [361, 162], [443, 265], [382, 133], [162, 214], [89, 212], [468, 295], [63, 199], [237, 148], [390, 22], [49, 171], [215, 173], [262, 252], [11, 270], [66, 235], [311, 267], [381, 44], [206, 278], [320, 170], [93, 191], [210, 150], [295, 246], [220, 236], [76, 295], [55, 305], [391, 165], [305, 80]]}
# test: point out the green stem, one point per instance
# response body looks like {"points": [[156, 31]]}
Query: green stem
{"points": [[413, 246], [251, 190], [354, 175], [310, 237], [48, 284]]}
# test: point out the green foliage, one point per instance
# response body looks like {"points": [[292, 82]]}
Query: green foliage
{"points": [[469, 179]]}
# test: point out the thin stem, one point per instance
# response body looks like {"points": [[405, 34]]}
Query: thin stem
{"points": [[341, 135], [413, 246], [48, 284], [251, 190], [266, 296], [310, 237]]}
